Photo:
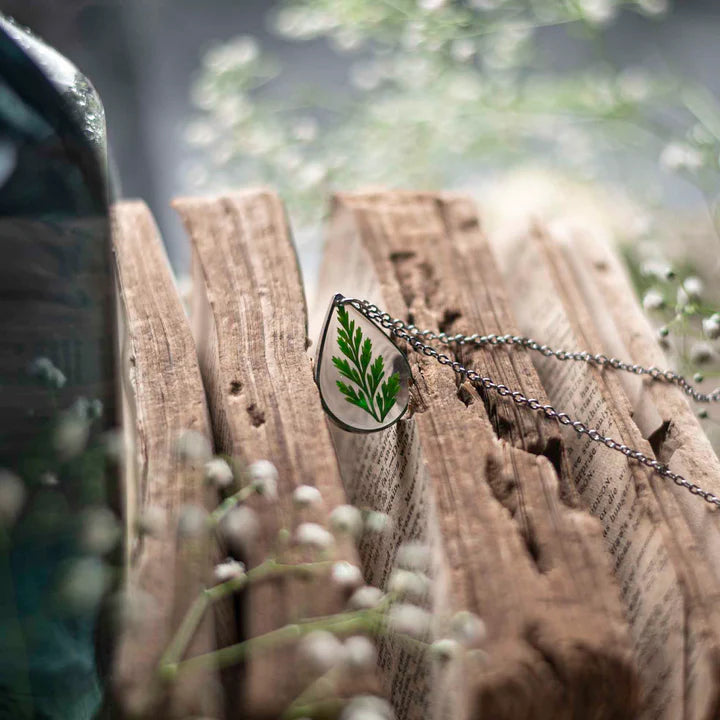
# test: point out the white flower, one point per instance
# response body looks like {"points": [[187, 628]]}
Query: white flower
{"points": [[12, 496], [431, 5], [462, 49], [598, 12], [193, 446], [367, 707], [359, 652], [49, 479], [263, 477], [192, 521], [218, 472], [693, 287], [711, 326], [654, 7], [84, 584], [409, 584], [99, 530], [44, 370], [70, 435], [346, 574], [656, 269], [701, 353], [229, 569], [377, 522], [413, 555], [346, 519], [680, 156], [152, 521], [314, 535], [445, 649], [306, 495], [409, 619], [366, 597], [240, 527], [467, 628], [653, 300], [321, 650]]}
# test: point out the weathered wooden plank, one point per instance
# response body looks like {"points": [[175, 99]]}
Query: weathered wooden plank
{"points": [[668, 582], [250, 322], [663, 412], [511, 547], [163, 397]]}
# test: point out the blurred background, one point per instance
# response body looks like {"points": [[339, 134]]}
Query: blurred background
{"points": [[605, 110], [144, 57]]}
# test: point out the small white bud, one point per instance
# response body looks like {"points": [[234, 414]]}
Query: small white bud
{"points": [[467, 628], [366, 597], [408, 584], [314, 535], [360, 652], [367, 707], [377, 522], [445, 649], [263, 477], [240, 527], [321, 650], [409, 619], [653, 300], [99, 530], [701, 353], [346, 519], [229, 569], [70, 435], [219, 473], [192, 521], [152, 521], [12, 496], [49, 479], [693, 287], [306, 495], [711, 326], [346, 574], [413, 555], [193, 446], [83, 584]]}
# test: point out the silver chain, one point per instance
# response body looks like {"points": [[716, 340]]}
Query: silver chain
{"points": [[415, 337]]}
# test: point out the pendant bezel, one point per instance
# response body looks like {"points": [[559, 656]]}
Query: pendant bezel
{"points": [[337, 301]]}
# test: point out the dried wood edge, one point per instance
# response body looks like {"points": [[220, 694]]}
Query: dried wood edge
{"points": [[694, 526], [679, 438], [695, 579], [484, 483], [163, 396], [250, 322]]}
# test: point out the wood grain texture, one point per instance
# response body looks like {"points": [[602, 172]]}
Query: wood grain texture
{"points": [[601, 316], [514, 549], [675, 432], [163, 397], [251, 326]]}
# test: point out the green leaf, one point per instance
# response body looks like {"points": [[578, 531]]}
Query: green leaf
{"points": [[366, 355], [388, 391], [364, 373]]}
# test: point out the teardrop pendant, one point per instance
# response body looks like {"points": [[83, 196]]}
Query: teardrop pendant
{"points": [[362, 375]]}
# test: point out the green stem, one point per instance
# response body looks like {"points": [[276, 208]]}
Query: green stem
{"points": [[171, 658], [348, 623], [229, 503]]}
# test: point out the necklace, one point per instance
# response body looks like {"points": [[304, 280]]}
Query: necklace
{"points": [[365, 386]]}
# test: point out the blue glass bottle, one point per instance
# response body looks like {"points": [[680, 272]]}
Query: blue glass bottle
{"points": [[58, 535]]}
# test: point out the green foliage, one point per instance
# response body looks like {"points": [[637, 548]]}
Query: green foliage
{"points": [[359, 367]]}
